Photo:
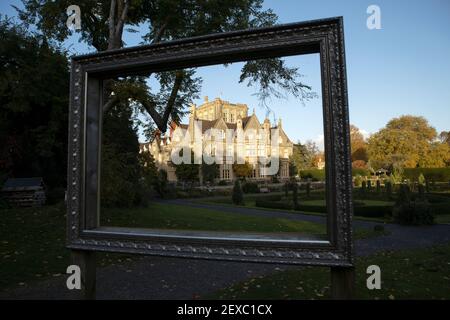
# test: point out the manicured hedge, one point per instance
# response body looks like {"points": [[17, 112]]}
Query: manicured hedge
{"points": [[372, 211], [319, 174], [250, 187], [361, 172], [272, 197], [314, 174], [273, 204], [362, 211], [435, 174], [312, 208], [440, 208]]}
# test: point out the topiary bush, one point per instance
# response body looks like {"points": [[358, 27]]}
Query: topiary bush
{"points": [[238, 195], [378, 186], [388, 187], [295, 195], [410, 211], [358, 180]]}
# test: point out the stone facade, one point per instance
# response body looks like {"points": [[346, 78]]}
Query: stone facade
{"points": [[222, 116]]}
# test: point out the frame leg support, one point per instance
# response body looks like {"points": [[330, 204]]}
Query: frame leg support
{"points": [[87, 263], [342, 283]]}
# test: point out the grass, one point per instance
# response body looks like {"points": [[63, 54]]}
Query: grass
{"points": [[250, 203], [169, 216], [412, 274], [442, 218], [32, 245], [32, 240]]}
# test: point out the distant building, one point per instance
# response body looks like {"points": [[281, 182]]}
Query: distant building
{"points": [[222, 115]]}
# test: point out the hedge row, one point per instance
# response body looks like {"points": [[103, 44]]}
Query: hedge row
{"points": [[319, 174], [314, 174], [362, 211], [273, 204], [435, 174]]}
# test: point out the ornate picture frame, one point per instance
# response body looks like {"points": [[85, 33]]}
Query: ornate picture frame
{"points": [[325, 36]]}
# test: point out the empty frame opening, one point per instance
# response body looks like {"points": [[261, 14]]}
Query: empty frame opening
{"points": [[227, 151]]}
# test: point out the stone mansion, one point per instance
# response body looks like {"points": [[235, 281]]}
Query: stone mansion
{"points": [[223, 115]]}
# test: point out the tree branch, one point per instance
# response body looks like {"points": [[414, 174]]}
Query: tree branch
{"points": [[111, 101], [160, 32], [172, 97], [122, 18], [111, 25]]}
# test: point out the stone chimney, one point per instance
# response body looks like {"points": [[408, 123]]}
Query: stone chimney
{"points": [[206, 99]]}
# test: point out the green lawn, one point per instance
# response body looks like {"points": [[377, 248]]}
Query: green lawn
{"points": [[414, 274], [32, 240], [167, 216]]}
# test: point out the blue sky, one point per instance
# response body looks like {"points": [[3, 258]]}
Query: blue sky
{"points": [[404, 68]]}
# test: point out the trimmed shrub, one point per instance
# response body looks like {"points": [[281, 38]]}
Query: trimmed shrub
{"points": [[273, 197], [308, 189], [238, 196], [313, 174], [358, 180], [358, 210], [372, 211], [295, 195], [361, 172], [250, 187], [388, 186], [417, 212], [435, 174], [273, 204], [312, 208], [222, 183], [411, 212], [363, 187]]}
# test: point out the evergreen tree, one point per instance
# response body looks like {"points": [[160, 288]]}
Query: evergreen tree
{"points": [[238, 194]]}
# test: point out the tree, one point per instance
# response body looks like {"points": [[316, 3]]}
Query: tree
{"points": [[242, 170], [210, 171], [293, 171], [187, 172], [104, 21], [238, 194], [444, 137], [305, 156], [34, 82], [358, 148], [122, 165], [152, 179], [408, 141]]}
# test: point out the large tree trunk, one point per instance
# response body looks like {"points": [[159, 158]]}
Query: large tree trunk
{"points": [[117, 18]]}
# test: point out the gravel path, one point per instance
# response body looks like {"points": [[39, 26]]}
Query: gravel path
{"points": [[172, 278]]}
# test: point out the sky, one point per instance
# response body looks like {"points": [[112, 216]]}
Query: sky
{"points": [[402, 68]]}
